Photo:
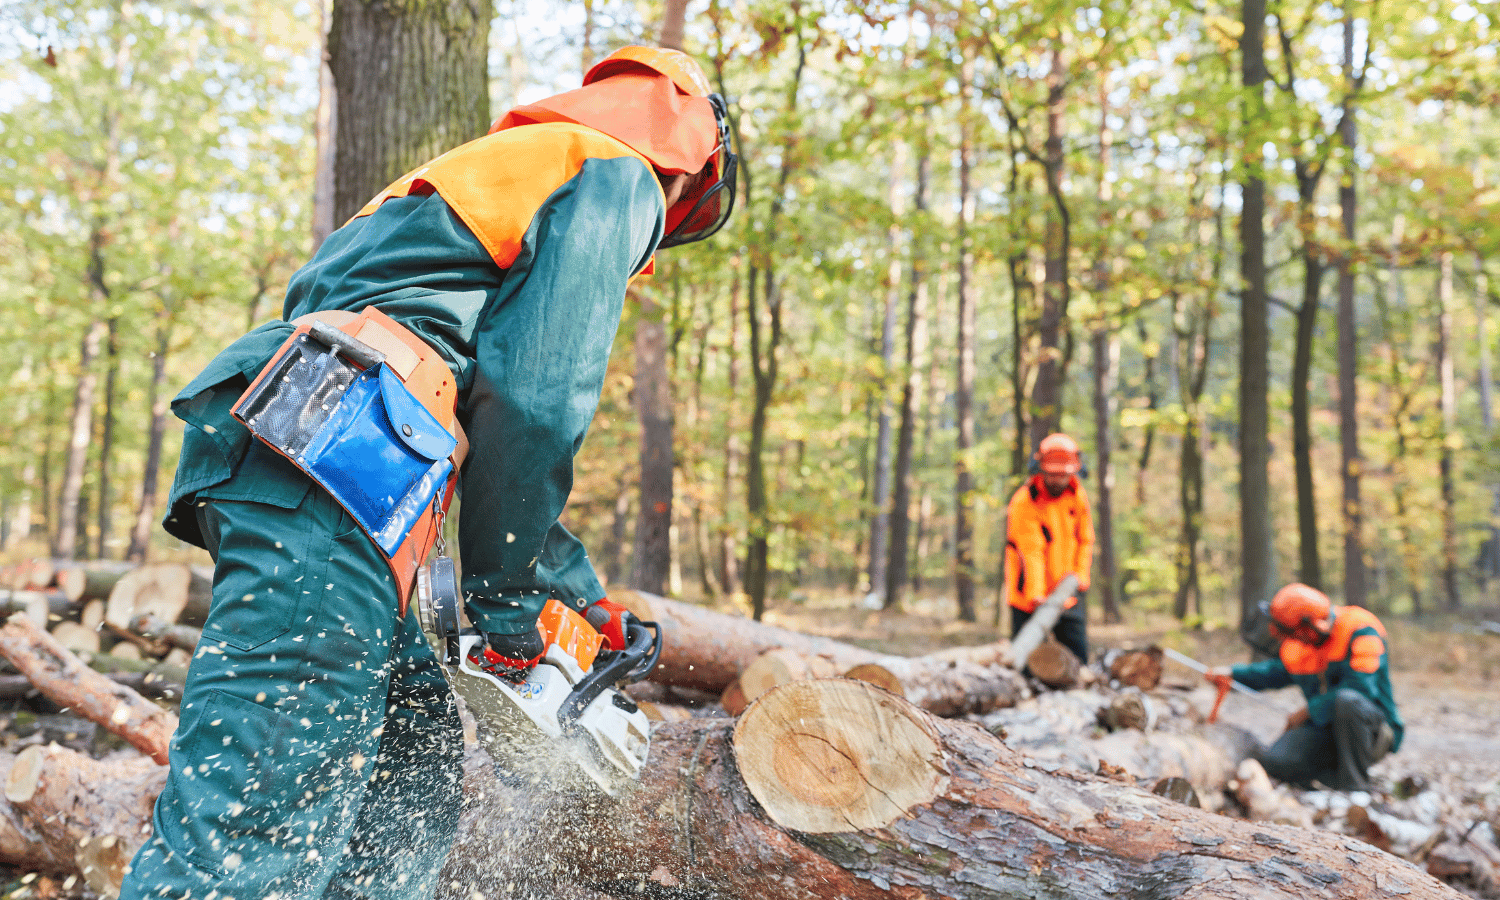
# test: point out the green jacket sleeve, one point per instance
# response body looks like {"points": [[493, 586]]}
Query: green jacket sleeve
{"points": [[1262, 676], [542, 352]]}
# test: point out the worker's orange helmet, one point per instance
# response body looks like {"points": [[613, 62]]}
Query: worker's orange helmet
{"points": [[676, 65], [1057, 454], [704, 211], [1297, 605]]}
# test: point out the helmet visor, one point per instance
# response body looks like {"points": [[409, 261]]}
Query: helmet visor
{"points": [[714, 203]]}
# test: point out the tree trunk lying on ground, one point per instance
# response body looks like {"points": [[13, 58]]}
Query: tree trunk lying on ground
{"points": [[832, 788], [77, 814], [66, 681], [710, 651]]}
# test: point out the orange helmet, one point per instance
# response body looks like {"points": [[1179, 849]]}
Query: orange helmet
{"points": [[1057, 454], [676, 65], [1297, 605]]}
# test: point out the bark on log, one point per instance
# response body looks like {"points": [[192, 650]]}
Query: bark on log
{"points": [[945, 686], [21, 847], [707, 650], [831, 752], [65, 680], [89, 815], [1054, 665], [154, 628], [1040, 624], [173, 591]]}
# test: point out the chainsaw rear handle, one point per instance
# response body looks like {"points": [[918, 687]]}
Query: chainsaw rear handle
{"points": [[612, 667]]}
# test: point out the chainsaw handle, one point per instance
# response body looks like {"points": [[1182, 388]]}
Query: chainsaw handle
{"points": [[613, 667]]}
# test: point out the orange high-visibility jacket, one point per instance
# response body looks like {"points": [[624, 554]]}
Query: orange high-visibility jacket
{"points": [[1046, 539]]}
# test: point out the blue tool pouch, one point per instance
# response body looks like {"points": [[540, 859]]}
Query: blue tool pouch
{"points": [[358, 432]]}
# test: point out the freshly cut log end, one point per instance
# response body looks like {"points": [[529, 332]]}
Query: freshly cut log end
{"points": [[1135, 668], [837, 755], [1054, 665], [878, 675], [25, 773], [781, 666]]}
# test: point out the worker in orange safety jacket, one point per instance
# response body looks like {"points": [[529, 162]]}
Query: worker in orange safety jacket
{"points": [[1049, 534], [319, 752]]}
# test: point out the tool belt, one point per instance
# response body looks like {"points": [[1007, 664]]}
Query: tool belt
{"points": [[366, 409]]}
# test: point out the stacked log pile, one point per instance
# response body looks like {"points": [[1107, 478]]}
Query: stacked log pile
{"points": [[792, 766]]}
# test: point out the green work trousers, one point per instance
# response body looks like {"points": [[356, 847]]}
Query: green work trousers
{"points": [[319, 752]]}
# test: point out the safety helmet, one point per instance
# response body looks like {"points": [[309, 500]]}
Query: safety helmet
{"points": [[1057, 454], [703, 212], [1296, 606]]}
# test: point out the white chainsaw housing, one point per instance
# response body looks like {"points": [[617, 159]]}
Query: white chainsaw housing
{"points": [[519, 726]]}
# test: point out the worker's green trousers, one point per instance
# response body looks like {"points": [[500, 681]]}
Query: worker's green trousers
{"points": [[319, 752]]}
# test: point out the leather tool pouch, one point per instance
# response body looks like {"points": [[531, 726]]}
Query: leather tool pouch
{"points": [[330, 404]]}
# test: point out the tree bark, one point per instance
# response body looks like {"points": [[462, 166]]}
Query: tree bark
{"points": [[156, 428], [80, 435], [1352, 520], [1042, 619], [1257, 564], [67, 813], [412, 81], [964, 373], [653, 403], [880, 501], [66, 681], [833, 788], [1448, 404], [897, 568], [1051, 366]]}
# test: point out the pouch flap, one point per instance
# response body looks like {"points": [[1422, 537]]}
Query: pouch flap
{"points": [[411, 421]]}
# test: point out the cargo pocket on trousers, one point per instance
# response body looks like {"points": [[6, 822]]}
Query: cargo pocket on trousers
{"points": [[235, 793], [260, 537]]}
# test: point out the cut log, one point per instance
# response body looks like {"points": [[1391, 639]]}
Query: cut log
{"points": [[707, 650], [943, 685], [780, 666], [91, 815], [1054, 665], [1129, 709], [944, 809], [1040, 624], [92, 580], [33, 604], [1140, 669], [76, 638], [173, 591], [154, 628], [66, 681]]}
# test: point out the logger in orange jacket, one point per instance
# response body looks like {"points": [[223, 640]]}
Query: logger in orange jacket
{"points": [[1049, 535]]}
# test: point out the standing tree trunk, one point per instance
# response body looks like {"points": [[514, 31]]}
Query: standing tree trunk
{"points": [[1310, 568], [413, 82], [897, 569], [652, 558], [1256, 560], [1448, 403], [80, 432], [881, 493], [1353, 511], [107, 433], [1051, 366], [1105, 359], [145, 516], [763, 361], [963, 392], [326, 127]]}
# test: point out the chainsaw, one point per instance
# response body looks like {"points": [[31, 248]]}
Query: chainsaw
{"points": [[567, 717]]}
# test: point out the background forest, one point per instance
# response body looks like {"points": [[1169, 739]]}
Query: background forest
{"points": [[1248, 268]]}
